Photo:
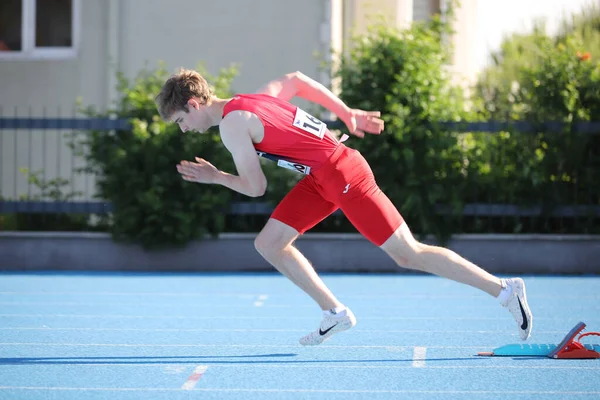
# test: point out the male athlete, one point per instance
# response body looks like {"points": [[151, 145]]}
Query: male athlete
{"points": [[336, 177]]}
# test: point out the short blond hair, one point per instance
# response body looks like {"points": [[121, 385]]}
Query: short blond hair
{"points": [[180, 88]]}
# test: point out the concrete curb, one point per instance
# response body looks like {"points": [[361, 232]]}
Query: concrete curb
{"points": [[91, 251]]}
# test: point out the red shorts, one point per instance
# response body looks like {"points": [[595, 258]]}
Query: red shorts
{"points": [[345, 181]]}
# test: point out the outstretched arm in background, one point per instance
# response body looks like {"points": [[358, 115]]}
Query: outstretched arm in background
{"points": [[297, 84]]}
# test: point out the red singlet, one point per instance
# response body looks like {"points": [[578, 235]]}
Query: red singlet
{"points": [[289, 132], [339, 176]]}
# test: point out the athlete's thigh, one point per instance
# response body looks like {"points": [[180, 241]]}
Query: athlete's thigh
{"points": [[373, 214], [303, 207], [365, 205]]}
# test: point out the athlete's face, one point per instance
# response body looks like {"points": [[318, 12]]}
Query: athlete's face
{"points": [[197, 118]]}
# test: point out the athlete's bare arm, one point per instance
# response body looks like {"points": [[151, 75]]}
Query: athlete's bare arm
{"points": [[236, 129], [296, 83], [236, 136]]}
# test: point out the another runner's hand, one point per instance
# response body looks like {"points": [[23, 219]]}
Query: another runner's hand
{"points": [[200, 171], [360, 122]]}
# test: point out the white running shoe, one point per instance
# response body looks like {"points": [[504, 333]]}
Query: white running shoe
{"points": [[518, 307], [330, 325]]}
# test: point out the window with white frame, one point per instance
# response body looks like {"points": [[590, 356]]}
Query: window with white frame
{"points": [[38, 28]]}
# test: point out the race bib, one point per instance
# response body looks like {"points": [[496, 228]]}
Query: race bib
{"points": [[303, 169], [308, 123]]}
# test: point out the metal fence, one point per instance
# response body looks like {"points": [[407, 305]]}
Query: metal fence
{"points": [[36, 159]]}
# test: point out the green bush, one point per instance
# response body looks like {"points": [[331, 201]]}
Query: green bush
{"points": [[419, 164], [136, 169], [555, 82], [564, 88], [416, 161]]}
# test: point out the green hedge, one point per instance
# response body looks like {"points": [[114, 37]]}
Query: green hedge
{"points": [[418, 162], [551, 168], [136, 170]]}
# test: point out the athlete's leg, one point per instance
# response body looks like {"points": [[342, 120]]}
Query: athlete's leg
{"points": [[300, 210], [409, 253], [374, 215], [276, 244]]}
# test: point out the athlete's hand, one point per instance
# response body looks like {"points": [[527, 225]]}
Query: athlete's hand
{"points": [[360, 122], [200, 171]]}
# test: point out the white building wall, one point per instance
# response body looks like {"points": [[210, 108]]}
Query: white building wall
{"points": [[265, 38], [424, 9], [49, 88], [464, 62]]}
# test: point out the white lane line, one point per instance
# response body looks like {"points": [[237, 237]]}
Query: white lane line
{"points": [[153, 294], [157, 329], [261, 300], [396, 349], [384, 331], [137, 304], [217, 364], [419, 356], [193, 379], [289, 296], [281, 317], [253, 346], [117, 316], [170, 369], [143, 389]]}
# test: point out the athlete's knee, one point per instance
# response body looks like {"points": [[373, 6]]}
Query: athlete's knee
{"points": [[411, 255], [264, 245], [267, 244], [405, 249], [274, 239]]}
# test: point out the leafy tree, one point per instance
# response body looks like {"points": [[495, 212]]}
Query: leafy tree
{"points": [[416, 161]]}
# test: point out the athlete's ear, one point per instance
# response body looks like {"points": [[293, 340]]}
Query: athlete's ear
{"points": [[193, 103]]}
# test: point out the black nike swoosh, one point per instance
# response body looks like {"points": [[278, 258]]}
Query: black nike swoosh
{"points": [[323, 333], [525, 323]]}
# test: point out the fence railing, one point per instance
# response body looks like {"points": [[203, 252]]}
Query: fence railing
{"points": [[26, 143]]}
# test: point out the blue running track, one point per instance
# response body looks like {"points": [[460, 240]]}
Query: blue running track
{"points": [[72, 336]]}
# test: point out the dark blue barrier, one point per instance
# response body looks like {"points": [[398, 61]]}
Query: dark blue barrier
{"points": [[64, 123], [587, 127], [259, 208], [476, 209]]}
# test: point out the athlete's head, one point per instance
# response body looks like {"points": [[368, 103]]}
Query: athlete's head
{"points": [[184, 99]]}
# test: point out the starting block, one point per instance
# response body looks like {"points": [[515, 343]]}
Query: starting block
{"points": [[569, 348]]}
